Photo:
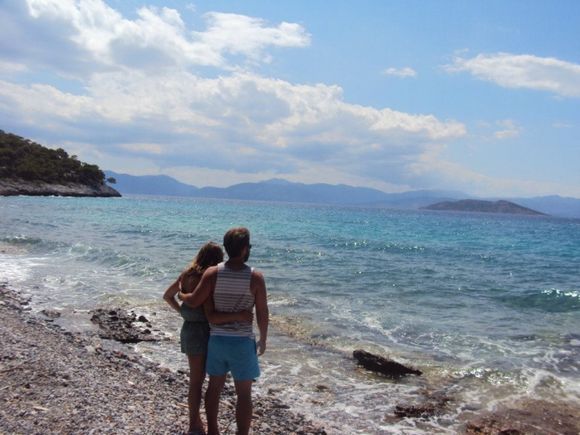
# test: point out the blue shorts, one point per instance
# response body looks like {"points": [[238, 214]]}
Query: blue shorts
{"points": [[235, 354]]}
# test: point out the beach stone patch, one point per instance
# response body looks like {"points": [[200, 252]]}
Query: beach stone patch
{"points": [[383, 366], [529, 417], [431, 404], [119, 325], [51, 314], [54, 381]]}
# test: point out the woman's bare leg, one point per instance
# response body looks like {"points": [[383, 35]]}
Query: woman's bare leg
{"points": [[196, 378]]}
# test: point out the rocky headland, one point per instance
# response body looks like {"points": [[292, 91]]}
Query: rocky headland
{"points": [[41, 188], [28, 168]]}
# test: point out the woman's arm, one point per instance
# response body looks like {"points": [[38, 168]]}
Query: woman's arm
{"points": [[217, 317], [169, 295]]}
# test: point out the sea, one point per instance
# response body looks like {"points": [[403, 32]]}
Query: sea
{"points": [[487, 306]]}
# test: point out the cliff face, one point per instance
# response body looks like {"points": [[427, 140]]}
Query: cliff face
{"points": [[39, 188], [478, 206]]}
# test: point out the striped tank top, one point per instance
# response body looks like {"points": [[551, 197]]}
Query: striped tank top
{"points": [[232, 294]]}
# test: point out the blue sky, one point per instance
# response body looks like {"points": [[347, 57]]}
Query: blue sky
{"points": [[481, 97]]}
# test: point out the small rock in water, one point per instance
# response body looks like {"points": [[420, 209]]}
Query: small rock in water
{"points": [[384, 366], [51, 314]]}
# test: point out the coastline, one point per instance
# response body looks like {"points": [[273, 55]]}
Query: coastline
{"points": [[40, 188], [57, 381], [60, 381]]}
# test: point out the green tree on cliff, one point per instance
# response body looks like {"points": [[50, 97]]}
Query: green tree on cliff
{"points": [[26, 160]]}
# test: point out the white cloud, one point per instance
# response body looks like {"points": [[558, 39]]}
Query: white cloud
{"points": [[523, 71], [242, 122], [400, 72], [12, 67], [144, 148], [509, 129], [240, 34], [127, 116], [158, 37]]}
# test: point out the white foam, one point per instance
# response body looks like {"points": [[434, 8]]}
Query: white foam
{"points": [[17, 269]]}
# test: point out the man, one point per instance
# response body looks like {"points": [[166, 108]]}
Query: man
{"points": [[232, 287]]}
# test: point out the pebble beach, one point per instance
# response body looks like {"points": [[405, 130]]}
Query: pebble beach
{"points": [[57, 381]]}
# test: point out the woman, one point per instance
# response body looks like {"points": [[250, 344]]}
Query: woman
{"points": [[195, 329]]}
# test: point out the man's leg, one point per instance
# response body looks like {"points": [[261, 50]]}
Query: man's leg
{"points": [[244, 406], [212, 403]]}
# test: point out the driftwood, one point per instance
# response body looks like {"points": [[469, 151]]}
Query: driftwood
{"points": [[384, 366]]}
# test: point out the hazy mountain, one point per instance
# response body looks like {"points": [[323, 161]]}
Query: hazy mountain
{"points": [[286, 191], [151, 185], [281, 190]]}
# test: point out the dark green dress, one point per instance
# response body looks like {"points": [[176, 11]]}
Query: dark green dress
{"points": [[194, 332]]}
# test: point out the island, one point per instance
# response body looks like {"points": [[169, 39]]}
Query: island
{"points": [[481, 206], [27, 168]]}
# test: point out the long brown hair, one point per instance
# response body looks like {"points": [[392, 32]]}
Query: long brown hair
{"points": [[209, 254]]}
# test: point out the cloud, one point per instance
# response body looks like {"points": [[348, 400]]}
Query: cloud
{"points": [[243, 122], [143, 148], [400, 72], [95, 36], [11, 67], [509, 129], [431, 168], [141, 103], [523, 72]]}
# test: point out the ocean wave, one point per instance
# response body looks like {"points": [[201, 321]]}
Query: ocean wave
{"points": [[550, 300], [562, 293], [139, 266], [28, 243]]}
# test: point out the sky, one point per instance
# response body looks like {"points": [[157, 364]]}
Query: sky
{"points": [[481, 97]]}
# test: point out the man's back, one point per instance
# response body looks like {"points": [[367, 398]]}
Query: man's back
{"points": [[232, 294]]}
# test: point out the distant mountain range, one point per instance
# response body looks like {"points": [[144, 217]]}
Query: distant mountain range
{"points": [[286, 191]]}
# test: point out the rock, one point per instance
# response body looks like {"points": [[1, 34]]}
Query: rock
{"points": [[40, 188], [384, 366], [527, 417], [415, 411], [118, 325], [51, 314]]}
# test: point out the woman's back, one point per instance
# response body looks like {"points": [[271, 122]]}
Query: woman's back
{"points": [[187, 283]]}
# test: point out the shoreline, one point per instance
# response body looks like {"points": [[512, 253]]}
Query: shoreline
{"points": [[57, 381], [11, 187]]}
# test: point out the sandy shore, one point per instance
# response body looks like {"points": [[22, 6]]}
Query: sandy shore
{"points": [[55, 381]]}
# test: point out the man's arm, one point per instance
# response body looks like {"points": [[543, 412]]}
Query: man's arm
{"points": [[218, 317], [202, 291], [262, 312]]}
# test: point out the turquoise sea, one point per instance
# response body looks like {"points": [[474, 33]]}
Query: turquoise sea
{"points": [[487, 306]]}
